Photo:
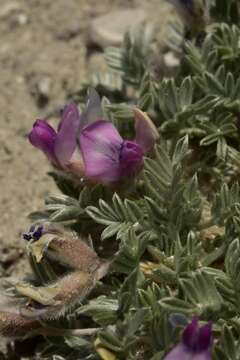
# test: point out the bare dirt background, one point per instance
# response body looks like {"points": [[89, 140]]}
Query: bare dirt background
{"points": [[43, 43]]}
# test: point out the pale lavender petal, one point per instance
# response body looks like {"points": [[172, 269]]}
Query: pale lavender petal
{"points": [[63, 114], [131, 158], [179, 352], [146, 132], [43, 137], [93, 111], [100, 145], [204, 355], [66, 140]]}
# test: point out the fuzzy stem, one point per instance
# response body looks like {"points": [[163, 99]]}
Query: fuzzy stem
{"points": [[51, 331], [214, 256]]}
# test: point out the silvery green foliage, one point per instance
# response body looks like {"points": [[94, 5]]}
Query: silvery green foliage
{"points": [[173, 233]]}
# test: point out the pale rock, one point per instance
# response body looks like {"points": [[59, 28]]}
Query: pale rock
{"points": [[97, 63], [44, 86], [9, 8], [109, 30], [171, 60], [22, 19], [39, 86]]}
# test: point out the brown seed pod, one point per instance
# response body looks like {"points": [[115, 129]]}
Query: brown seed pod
{"points": [[16, 325], [67, 248], [55, 299], [52, 301]]}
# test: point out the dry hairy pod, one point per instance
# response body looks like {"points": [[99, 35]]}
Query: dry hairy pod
{"points": [[54, 300], [67, 248], [16, 325]]}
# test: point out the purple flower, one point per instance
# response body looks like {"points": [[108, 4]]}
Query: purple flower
{"points": [[195, 343], [107, 157], [58, 146]]}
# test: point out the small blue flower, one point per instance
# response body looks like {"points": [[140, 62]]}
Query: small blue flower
{"points": [[34, 233]]}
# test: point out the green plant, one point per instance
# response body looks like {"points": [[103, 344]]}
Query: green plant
{"points": [[170, 236]]}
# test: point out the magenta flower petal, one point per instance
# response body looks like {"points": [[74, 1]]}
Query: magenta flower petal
{"points": [[43, 137], [197, 338], [204, 337], [100, 145], [66, 140], [191, 329]]}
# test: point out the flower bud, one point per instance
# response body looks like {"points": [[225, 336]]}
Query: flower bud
{"points": [[104, 353], [146, 132]]}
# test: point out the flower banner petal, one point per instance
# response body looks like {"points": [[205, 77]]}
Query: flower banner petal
{"points": [[93, 111], [66, 140]]}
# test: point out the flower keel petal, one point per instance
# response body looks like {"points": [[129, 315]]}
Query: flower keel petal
{"points": [[100, 145]]}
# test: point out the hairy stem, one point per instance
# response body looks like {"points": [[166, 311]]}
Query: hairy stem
{"points": [[50, 331]]}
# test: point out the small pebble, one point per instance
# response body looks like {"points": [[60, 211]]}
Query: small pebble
{"points": [[171, 60], [109, 30], [8, 9]]}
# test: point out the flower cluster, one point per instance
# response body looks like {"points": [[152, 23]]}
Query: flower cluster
{"points": [[88, 146]]}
